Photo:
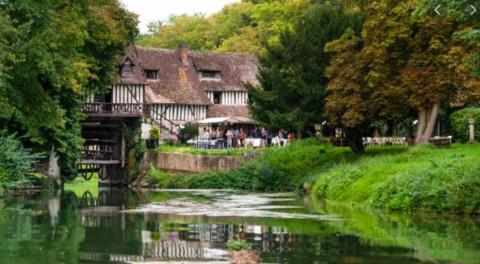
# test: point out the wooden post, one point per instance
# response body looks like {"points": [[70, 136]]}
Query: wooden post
{"points": [[471, 122], [123, 151]]}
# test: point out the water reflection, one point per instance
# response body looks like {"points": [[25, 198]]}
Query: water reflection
{"points": [[112, 227]]}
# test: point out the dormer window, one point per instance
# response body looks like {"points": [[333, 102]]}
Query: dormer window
{"points": [[151, 74], [127, 69], [210, 75]]}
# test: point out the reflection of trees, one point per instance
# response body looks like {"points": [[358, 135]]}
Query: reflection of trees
{"points": [[434, 237], [28, 236]]}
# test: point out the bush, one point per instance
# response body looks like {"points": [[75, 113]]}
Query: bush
{"points": [[421, 179], [276, 169], [154, 133], [449, 185], [15, 162], [189, 131], [237, 245], [460, 123]]}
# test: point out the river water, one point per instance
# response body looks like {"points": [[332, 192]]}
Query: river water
{"points": [[121, 226]]}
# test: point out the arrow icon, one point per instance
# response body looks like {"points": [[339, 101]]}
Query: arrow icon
{"points": [[474, 10], [437, 10]]}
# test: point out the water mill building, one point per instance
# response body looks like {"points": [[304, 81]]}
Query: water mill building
{"points": [[173, 87], [168, 88]]}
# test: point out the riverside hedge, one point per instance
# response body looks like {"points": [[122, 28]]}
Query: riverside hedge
{"points": [[276, 169], [421, 179]]}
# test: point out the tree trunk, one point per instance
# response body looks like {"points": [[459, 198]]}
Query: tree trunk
{"points": [[422, 117], [390, 128], [426, 125], [355, 140]]}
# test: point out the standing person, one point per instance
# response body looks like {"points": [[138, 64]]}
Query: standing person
{"points": [[219, 144], [236, 134], [281, 138], [225, 139], [229, 136], [291, 138], [269, 139], [263, 133], [206, 138], [241, 136]]}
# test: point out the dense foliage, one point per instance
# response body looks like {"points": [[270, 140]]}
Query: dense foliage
{"points": [[276, 169], [188, 131], [237, 244], [459, 121], [52, 55], [15, 162], [405, 62], [292, 81], [241, 27], [423, 178]]}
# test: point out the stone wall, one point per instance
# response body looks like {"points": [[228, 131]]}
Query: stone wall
{"points": [[175, 162]]}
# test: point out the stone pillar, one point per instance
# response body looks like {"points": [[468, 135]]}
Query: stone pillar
{"points": [[471, 122], [53, 172]]}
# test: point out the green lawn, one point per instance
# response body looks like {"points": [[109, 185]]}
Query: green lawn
{"points": [[183, 149], [420, 178], [79, 186]]}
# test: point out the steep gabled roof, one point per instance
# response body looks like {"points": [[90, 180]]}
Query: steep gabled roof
{"points": [[235, 70], [180, 84]]}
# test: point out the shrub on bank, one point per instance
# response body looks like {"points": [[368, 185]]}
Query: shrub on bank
{"points": [[276, 169], [421, 179], [15, 164]]}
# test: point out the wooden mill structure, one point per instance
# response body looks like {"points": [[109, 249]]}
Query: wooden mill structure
{"points": [[105, 148], [170, 88]]}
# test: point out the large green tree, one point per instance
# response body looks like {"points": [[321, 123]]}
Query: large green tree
{"points": [[54, 53], [241, 27], [292, 79], [404, 61]]}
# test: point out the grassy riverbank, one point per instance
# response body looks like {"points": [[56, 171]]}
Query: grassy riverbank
{"points": [[291, 168], [276, 169], [420, 179]]}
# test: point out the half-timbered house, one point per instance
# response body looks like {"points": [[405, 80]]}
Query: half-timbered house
{"points": [[173, 87]]}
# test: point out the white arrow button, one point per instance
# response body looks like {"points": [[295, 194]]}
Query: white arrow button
{"points": [[474, 10], [437, 10]]}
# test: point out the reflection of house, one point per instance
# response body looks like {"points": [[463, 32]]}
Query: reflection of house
{"points": [[177, 86]]}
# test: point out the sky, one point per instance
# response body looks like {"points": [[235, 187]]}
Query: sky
{"points": [[155, 10]]}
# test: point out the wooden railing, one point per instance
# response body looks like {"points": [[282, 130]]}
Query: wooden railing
{"points": [[109, 108], [128, 109]]}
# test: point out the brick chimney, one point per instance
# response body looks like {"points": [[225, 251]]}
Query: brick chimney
{"points": [[183, 54]]}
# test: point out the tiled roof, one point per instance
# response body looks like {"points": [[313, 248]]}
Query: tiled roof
{"points": [[177, 83]]}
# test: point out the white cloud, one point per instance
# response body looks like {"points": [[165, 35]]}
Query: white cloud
{"points": [[154, 10]]}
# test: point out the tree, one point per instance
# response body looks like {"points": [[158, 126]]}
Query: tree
{"points": [[292, 80], [365, 70], [403, 64], [196, 30], [240, 28], [59, 52]]}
